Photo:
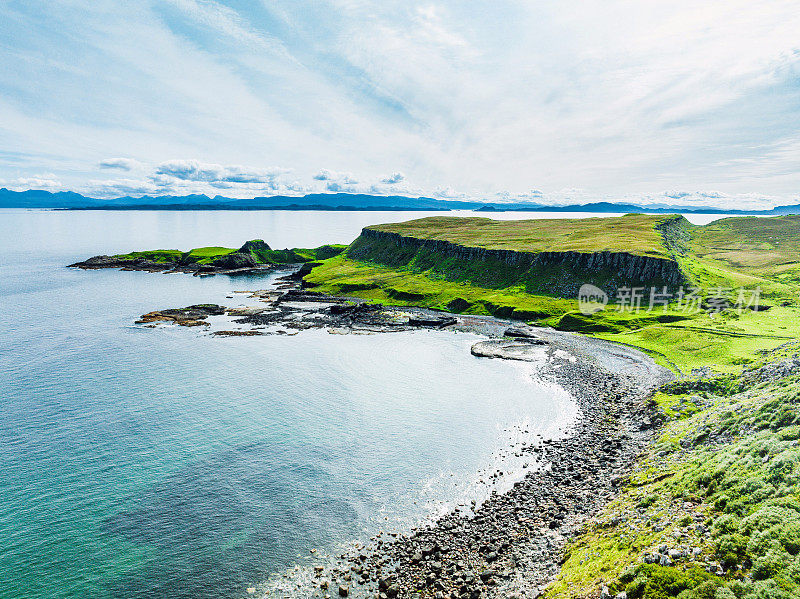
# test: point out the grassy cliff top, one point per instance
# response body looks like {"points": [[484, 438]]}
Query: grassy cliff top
{"points": [[632, 233], [750, 242], [737, 250]]}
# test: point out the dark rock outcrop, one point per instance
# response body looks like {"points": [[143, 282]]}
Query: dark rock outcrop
{"points": [[190, 316], [255, 245], [257, 249], [98, 262], [431, 321], [234, 261]]}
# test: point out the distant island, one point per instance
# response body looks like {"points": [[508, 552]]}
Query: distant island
{"points": [[69, 200]]}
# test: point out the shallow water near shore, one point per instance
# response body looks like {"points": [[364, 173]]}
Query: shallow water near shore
{"points": [[163, 462]]}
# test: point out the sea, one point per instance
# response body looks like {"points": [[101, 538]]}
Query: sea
{"points": [[150, 463]]}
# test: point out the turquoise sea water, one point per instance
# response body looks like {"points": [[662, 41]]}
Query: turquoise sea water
{"points": [[166, 463]]}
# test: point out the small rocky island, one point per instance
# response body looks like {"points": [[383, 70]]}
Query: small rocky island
{"points": [[255, 255]]}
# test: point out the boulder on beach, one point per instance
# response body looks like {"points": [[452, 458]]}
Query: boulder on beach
{"points": [[522, 331], [431, 321], [527, 350]]}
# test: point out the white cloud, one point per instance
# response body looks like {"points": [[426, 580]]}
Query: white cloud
{"points": [[123, 164], [111, 188], [46, 182], [193, 170], [228, 22], [337, 187], [337, 182], [677, 195], [161, 184], [448, 193], [394, 178], [324, 175]]}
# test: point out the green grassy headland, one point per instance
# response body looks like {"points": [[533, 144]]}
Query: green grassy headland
{"points": [[545, 292]]}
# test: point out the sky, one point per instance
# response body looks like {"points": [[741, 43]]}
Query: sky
{"points": [[691, 103]]}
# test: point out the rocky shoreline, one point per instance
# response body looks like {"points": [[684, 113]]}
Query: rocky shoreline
{"points": [[512, 544]]}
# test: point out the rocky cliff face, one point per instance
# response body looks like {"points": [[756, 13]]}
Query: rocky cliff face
{"points": [[615, 268], [234, 260]]}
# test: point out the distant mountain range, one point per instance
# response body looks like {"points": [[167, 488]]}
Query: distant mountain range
{"points": [[68, 200]]}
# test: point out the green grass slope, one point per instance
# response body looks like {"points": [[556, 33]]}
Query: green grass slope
{"points": [[761, 246], [712, 510], [750, 251]]}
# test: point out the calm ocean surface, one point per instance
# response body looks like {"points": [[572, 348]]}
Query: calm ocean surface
{"points": [[166, 463]]}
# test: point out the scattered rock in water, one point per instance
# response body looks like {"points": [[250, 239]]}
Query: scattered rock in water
{"points": [[248, 333], [190, 316], [353, 308]]}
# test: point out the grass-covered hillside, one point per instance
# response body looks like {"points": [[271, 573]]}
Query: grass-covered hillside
{"points": [[751, 244], [732, 252], [712, 511], [747, 250], [448, 263], [694, 334], [521, 269]]}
